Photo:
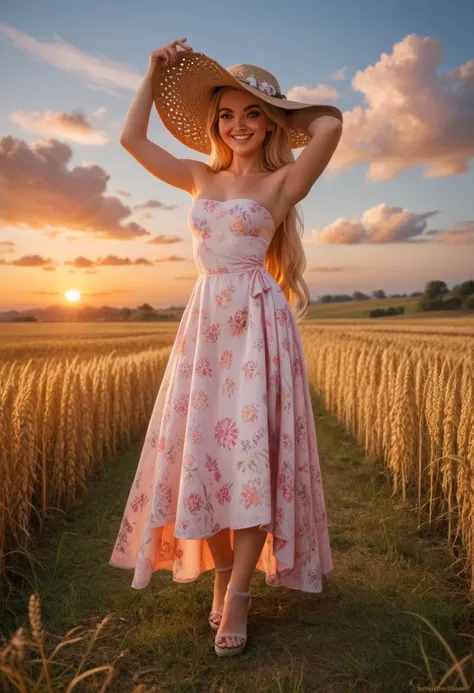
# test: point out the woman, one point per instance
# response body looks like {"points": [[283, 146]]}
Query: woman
{"points": [[229, 474]]}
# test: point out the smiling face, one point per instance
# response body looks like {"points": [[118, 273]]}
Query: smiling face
{"points": [[240, 114]]}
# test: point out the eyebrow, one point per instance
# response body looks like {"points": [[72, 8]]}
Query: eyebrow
{"points": [[253, 105]]}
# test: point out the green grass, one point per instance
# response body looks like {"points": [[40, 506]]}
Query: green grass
{"points": [[355, 636], [361, 309]]}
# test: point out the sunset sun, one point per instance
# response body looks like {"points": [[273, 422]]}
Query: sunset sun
{"points": [[73, 295]]}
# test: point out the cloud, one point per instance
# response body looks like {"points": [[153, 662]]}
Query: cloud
{"points": [[30, 261], [379, 224], [7, 247], [322, 93], [40, 192], [83, 263], [461, 234], [115, 261], [155, 204], [339, 74], [171, 258], [413, 115], [165, 240], [74, 126], [100, 113], [98, 72]]}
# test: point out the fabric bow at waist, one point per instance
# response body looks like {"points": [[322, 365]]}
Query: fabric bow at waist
{"points": [[259, 282]]}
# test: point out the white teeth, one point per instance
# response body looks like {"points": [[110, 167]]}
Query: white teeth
{"points": [[241, 137]]}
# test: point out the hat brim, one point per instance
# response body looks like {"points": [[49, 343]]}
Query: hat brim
{"points": [[182, 94]]}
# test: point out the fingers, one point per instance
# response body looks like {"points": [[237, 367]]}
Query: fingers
{"points": [[167, 55], [173, 50], [168, 52]]}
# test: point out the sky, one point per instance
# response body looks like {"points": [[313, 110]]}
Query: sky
{"points": [[393, 210]]}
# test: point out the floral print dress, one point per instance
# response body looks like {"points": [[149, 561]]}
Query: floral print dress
{"points": [[231, 441]]}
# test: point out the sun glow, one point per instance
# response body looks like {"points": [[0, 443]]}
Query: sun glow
{"points": [[72, 295]]}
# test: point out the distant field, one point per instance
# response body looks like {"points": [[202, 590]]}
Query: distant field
{"points": [[82, 339], [349, 309], [35, 340], [361, 309]]}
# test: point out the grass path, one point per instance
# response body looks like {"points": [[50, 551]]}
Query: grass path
{"points": [[354, 636]]}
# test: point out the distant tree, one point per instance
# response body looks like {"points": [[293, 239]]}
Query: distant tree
{"points": [[452, 303], [468, 303], [359, 296], [426, 304], [435, 289], [378, 293], [125, 313], [146, 308], [432, 298], [463, 290]]}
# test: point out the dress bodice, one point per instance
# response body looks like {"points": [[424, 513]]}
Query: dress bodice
{"points": [[229, 236]]}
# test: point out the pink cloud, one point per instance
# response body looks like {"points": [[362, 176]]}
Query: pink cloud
{"points": [[99, 72], [165, 240], [382, 224], [31, 261], [322, 93], [40, 192], [155, 204], [74, 126], [413, 115], [461, 234], [83, 263]]}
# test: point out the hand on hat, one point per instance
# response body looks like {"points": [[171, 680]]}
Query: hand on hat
{"points": [[167, 54]]}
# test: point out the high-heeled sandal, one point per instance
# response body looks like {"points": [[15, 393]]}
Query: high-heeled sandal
{"points": [[231, 651], [213, 624]]}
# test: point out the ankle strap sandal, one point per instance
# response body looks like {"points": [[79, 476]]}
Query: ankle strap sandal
{"points": [[215, 624], [232, 651]]}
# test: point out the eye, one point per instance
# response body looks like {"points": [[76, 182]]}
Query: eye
{"points": [[255, 113]]}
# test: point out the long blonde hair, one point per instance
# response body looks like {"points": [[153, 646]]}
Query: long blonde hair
{"points": [[285, 259]]}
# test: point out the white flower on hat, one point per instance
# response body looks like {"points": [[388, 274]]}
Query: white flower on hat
{"points": [[267, 89], [261, 85], [252, 81]]}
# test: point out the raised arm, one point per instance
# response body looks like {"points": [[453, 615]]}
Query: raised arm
{"points": [[325, 132], [179, 173]]}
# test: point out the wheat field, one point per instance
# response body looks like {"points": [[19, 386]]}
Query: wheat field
{"points": [[406, 392], [71, 396]]}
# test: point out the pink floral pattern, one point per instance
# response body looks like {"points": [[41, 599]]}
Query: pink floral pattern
{"points": [[231, 440]]}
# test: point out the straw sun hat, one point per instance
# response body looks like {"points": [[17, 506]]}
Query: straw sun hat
{"points": [[182, 94]]}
